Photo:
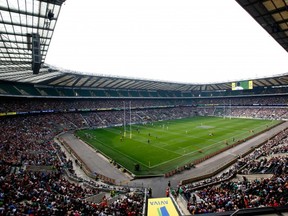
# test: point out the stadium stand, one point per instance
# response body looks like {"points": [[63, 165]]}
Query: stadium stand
{"points": [[219, 195], [36, 130]]}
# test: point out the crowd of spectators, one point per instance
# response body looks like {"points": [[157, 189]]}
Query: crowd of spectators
{"points": [[231, 196], [44, 189], [271, 113], [63, 105], [220, 193], [263, 113], [105, 118], [27, 140], [244, 101]]}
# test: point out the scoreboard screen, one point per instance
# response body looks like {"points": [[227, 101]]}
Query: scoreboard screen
{"points": [[242, 85]]}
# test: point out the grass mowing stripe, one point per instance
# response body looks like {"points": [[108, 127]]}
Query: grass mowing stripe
{"points": [[121, 153], [171, 143]]}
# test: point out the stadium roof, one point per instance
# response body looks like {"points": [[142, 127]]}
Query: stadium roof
{"points": [[19, 19], [104, 82], [272, 15]]}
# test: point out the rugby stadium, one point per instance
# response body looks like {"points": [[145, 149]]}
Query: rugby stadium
{"points": [[79, 144]]}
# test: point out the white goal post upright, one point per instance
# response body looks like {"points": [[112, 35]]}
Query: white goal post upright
{"points": [[224, 112], [124, 120], [230, 109], [130, 120]]}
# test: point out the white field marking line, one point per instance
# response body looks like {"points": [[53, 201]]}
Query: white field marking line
{"points": [[211, 145], [113, 130], [144, 142], [160, 148], [167, 161], [175, 158], [190, 153], [183, 148], [244, 131], [170, 132], [180, 155], [214, 141], [260, 126], [166, 134], [179, 134], [190, 135], [224, 127], [122, 153]]}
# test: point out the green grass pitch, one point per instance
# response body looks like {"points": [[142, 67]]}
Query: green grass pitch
{"points": [[161, 146]]}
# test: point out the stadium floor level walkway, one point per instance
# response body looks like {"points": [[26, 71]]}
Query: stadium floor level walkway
{"points": [[159, 184], [96, 162]]}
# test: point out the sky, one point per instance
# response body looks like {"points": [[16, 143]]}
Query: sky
{"points": [[182, 41]]}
